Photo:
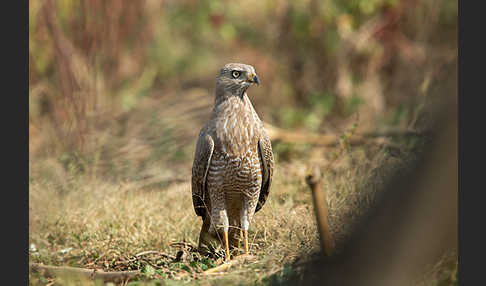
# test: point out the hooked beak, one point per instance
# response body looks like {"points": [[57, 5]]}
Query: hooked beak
{"points": [[253, 78]]}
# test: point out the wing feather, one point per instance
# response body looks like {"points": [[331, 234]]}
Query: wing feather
{"points": [[266, 155], [200, 166]]}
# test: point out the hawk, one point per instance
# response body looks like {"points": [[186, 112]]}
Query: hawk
{"points": [[233, 163]]}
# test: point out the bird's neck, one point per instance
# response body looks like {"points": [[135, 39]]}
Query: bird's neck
{"points": [[223, 94], [231, 100]]}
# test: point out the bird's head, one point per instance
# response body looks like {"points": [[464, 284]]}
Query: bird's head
{"points": [[236, 78]]}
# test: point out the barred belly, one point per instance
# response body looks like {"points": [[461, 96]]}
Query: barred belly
{"points": [[235, 174], [231, 179]]}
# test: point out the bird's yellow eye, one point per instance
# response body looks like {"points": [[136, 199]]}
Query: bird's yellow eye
{"points": [[235, 74]]}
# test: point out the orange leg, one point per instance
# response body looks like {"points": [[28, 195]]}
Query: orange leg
{"points": [[245, 241], [226, 245]]}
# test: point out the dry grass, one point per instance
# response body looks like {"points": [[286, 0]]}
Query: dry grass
{"points": [[102, 224], [443, 272], [127, 195], [81, 220]]}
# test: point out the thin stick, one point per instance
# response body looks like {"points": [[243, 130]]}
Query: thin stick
{"points": [[235, 261], [155, 252], [320, 208], [147, 252], [218, 270]]}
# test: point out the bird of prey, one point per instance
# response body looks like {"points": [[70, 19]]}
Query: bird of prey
{"points": [[233, 163]]}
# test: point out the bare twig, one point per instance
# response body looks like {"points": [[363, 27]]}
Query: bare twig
{"points": [[183, 245], [320, 208], [155, 252], [235, 261], [147, 252], [219, 270]]}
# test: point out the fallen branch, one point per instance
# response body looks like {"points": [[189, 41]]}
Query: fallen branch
{"points": [[320, 208], [276, 134], [93, 274]]}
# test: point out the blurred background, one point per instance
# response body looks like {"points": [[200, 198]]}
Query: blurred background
{"points": [[122, 85], [118, 92]]}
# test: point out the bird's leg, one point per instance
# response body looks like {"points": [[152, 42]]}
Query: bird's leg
{"points": [[225, 222], [245, 224], [245, 233], [241, 235], [219, 216], [226, 246], [224, 218], [246, 216]]}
